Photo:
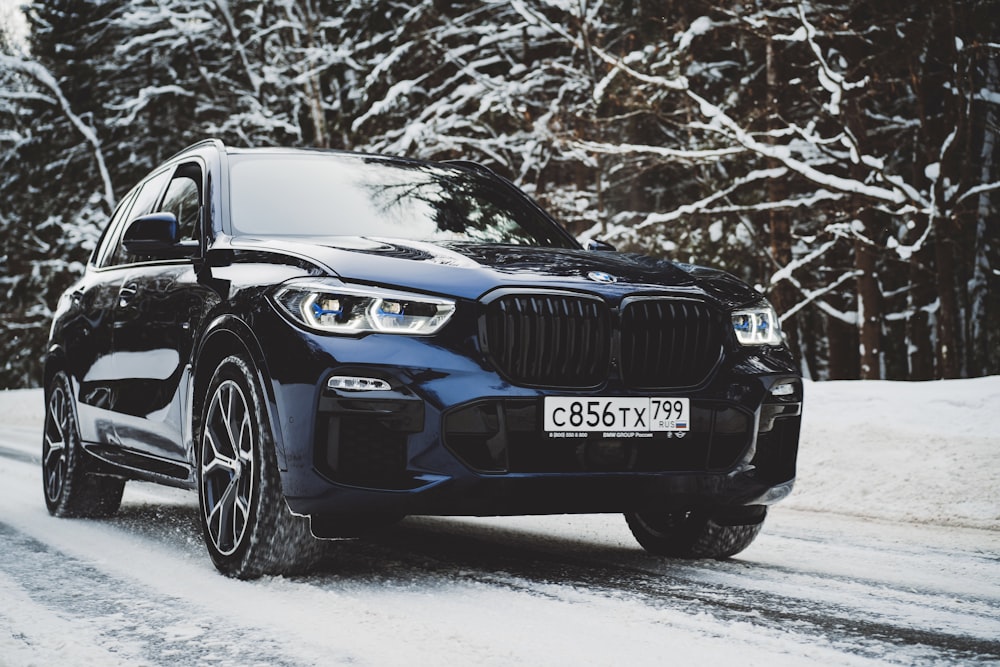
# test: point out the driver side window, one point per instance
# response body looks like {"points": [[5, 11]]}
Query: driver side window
{"points": [[145, 200], [183, 199]]}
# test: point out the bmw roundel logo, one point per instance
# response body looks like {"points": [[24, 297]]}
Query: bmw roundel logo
{"points": [[602, 277]]}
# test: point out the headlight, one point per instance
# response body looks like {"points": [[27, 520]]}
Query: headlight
{"points": [[355, 309], [758, 325]]}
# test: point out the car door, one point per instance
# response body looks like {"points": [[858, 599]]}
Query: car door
{"points": [[86, 333], [160, 304]]}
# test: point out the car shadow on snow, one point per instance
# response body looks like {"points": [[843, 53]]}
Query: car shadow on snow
{"points": [[431, 549], [435, 548]]}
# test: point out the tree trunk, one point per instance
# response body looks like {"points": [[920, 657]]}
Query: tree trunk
{"points": [[783, 295], [313, 86], [977, 334], [869, 302], [920, 297], [843, 350], [866, 262], [949, 351], [952, 122]]}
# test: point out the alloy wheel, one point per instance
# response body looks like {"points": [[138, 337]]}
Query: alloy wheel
{"points": [[227, 467], [55, 445]]}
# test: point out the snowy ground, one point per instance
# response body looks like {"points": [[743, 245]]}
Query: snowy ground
{"points": [[888, 552]]}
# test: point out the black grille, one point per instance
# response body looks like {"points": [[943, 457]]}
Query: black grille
{"points": [[563, 340], [549, 340], [669, 342]]}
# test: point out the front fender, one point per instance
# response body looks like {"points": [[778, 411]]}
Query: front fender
{"points": [[223, 336]]}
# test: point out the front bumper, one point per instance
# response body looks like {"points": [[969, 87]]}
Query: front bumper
{"points": [[452, 437]]}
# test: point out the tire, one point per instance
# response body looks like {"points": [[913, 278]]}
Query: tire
{"points": [[691, 534], [248, 528], [71, 490]]}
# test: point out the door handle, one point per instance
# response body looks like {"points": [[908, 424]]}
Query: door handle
{"points": [[126, 294]]}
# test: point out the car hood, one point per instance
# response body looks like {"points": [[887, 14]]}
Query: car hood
{"points": [[470, 270]]}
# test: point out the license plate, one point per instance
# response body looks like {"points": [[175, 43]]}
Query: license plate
{"points": [[618, 413]]}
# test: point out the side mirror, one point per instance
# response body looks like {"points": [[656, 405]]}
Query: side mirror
{"points": [[157, 235], [594, 244]]}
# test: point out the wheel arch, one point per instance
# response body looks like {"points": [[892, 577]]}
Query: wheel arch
{"points": [[227, 335]]}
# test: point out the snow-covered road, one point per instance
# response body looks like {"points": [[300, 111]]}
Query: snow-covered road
{"points": [[816, 588]]}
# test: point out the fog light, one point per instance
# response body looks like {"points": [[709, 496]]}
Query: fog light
{"points": [[783, 390], [352, 383]]}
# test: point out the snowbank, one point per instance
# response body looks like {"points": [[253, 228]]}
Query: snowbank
{"points": [[926, 452], [22, 407], [902, 451]]}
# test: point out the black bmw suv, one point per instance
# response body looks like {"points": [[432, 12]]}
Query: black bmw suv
{"points": [[321, 343]]}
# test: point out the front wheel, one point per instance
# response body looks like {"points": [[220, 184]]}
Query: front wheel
{"points": [[248, 528], [693, 533], [71, 490]]}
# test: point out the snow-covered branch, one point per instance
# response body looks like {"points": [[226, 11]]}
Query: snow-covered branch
{"points": [[537, 18], [708, 154], [831, 81], [145, 97], [722, 123], [45, 79], [814, 296], [978, 190]]}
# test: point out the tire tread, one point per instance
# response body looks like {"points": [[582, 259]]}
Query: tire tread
{"points": [[277, 542], [84, 494], [690, 535]]}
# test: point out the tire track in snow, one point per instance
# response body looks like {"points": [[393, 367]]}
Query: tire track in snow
{"points": [[122, 619], [20, 455], [511, 560], [807, 604], [22, 443]]}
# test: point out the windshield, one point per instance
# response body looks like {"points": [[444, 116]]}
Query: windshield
{"points": [[346, 195]]}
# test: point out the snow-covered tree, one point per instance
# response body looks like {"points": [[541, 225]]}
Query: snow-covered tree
{"points": [[54, 179], [823, 137], [840, 153]]}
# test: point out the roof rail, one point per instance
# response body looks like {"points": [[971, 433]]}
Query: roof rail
{"points": [[473, 165]]}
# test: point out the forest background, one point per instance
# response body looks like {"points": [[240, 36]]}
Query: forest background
{"points": [[841, 156]]}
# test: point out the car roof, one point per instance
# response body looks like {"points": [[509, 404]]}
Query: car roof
{"points": [[459, 164]]}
